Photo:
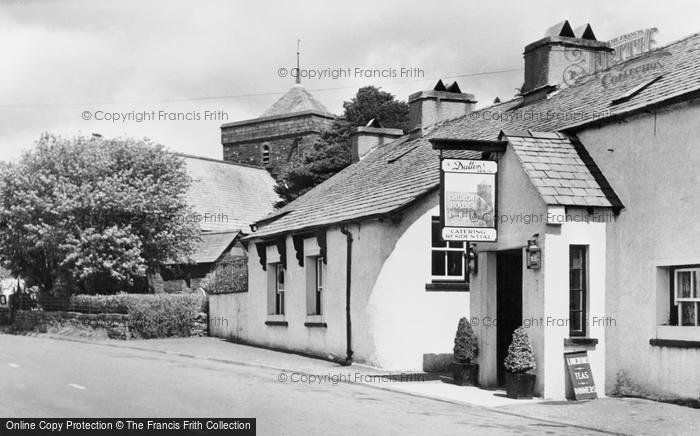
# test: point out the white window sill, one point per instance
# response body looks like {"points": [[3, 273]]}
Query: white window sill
{"points": [[315, 321], [678, 333], [276, 320]]}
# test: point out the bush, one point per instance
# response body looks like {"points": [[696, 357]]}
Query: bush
{"points": [[163, 315], [100, 303], [150, 315], [466, 348], [521, 357]]}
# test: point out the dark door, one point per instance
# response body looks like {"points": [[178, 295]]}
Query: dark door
{"points": [[509, 302]]}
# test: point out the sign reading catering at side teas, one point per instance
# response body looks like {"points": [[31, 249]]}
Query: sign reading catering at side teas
{"points": [[468, 199]]}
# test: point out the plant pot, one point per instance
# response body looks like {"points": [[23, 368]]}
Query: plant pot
{"points": [[520, 386], [465, 374]]}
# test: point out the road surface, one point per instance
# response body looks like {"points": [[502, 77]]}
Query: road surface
{"points": [[42, 377]]}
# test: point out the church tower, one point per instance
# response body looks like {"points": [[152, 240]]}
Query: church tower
{"points": [[286, 130]]}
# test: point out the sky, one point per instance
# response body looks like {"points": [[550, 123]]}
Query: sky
{"points": [[174, 71]]}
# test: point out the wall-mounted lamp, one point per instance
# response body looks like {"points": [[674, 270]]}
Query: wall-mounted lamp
{"points": [[534, 253], [472, 259]]}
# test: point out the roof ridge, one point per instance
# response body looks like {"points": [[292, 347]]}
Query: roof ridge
{"points": [[211, 159]]}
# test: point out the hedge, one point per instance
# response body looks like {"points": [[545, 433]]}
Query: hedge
{"points": [[150, 315]]}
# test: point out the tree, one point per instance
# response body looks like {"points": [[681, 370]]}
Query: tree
{"points": [[93, 214], [331, 152]]}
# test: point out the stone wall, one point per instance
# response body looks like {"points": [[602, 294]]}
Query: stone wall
{"points": [[285, 138], [115, 325]]}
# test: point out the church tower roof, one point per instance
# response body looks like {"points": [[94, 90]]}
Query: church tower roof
{"points": [[297, 99]]}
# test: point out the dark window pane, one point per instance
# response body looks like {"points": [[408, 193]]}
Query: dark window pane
{"points": [[687, 313], [575, 279], [684, 284], [456, 245], [576, 257], [438, 263], [455, 262], [436, 237], [575, 322]]}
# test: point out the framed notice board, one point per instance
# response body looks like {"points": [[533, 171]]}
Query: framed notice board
{"points": [[581, 376]]}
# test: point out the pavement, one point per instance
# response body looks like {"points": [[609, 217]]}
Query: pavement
{"points": [[308, 377]]}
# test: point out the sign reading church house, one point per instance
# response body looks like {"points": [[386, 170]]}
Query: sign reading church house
{"points": [[468, 192]]}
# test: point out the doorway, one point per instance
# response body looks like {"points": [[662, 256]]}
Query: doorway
{"points": [[509, 303]]}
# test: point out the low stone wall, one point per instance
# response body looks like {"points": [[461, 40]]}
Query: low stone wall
{"points": [[116, 325]]}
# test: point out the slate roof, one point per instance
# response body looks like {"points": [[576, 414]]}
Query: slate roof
{"points": [[560, 169], [398, 173], [212, 245], [236, 194], [297, 99]]}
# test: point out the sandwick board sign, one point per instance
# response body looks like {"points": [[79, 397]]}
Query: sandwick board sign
{"points": [[579, 368], [468, 199]]}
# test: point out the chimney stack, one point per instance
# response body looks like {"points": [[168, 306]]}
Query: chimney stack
{"points": [[563, 55], [366, 138], [439, 104]]}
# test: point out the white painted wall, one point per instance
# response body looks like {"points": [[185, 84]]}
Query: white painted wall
{"points": [[394, 319], [556, 301], [652, 162]]}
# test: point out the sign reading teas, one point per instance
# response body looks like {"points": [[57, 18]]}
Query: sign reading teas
{"points": [[581, 376], [468, 199]]}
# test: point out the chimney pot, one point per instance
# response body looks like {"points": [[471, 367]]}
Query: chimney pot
{"points": [[562, 55], [364, 139], [439, 104]]}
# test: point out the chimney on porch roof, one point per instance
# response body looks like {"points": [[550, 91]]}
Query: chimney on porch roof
{"points": [[439, 104]]}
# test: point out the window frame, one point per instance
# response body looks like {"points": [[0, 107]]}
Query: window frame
{"points": [[583, 310], [279, 290], [319, 286], [448, 248], [679, 301], [265, 154]]}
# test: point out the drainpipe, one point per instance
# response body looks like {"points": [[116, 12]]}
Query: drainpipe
{"points": [[348, 280]]}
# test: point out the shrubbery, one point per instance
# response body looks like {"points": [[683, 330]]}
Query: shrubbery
{"points": [[101, 303], [150, 315], [521, 357], [466, 348], [164, 315]]}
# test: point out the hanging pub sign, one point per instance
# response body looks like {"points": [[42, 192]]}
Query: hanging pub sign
{"points": [[468, 199], [579, 368]]}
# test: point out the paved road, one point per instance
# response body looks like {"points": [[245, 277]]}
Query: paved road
{"points": [[43, 377]]}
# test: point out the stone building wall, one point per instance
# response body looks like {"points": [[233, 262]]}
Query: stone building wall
{"points": [[286, 137]]}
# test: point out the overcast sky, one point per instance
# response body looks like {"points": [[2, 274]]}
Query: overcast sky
{"points": [[62, 58]]}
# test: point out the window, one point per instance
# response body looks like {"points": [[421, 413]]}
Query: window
{"points": [[266, 155], [577, 290], [686, 297], [447, 257], [279, 289], [314, 285]]}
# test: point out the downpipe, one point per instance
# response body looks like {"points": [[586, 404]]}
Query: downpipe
{"points": [[348, 282]]}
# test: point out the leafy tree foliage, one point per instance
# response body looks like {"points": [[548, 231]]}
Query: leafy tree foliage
{"points": [[331, 153], [93, 214]]}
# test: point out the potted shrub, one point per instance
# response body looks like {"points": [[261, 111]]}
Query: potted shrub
{"points": [[520, 359], [464, 371]]}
